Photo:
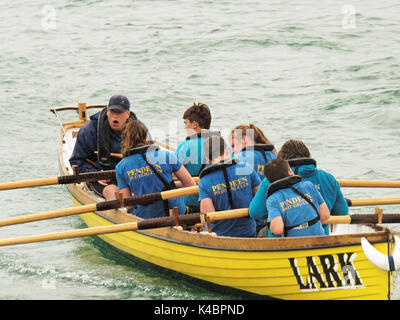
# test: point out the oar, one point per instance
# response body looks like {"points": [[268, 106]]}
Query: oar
{"points": [[364, 218], [369, 183], [74, 178], [372, 201], [101, 206], [183, 220]]}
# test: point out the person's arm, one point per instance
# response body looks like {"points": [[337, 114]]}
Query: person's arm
{"points": [[84, 148], [255, 182], [340, 206], [258, 208], [183, 175], [323, 211], [255, 189], [275, 219], [277, 226], [206, 205], [126, 193]]}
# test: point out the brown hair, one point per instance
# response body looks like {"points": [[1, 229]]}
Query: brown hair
{"points": [[133, 135], [250, 130], [214, 146], [200, 113], [276, 169], [293, 149]]}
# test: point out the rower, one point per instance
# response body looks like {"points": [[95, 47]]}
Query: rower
{"points": [[146, 169], [295, 207], [249, 144], [227, 184], [197, 120]]}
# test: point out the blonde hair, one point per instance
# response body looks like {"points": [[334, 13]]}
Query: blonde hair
{"points": [[250, 131], [134, 134]]}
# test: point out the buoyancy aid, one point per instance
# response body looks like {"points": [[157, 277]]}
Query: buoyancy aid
{"points": [[167, 185], [297, 162], [222, 166], [289, 182], [260, 147]]}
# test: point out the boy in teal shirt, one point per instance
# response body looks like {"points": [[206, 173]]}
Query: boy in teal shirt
{"points": [[197, 120]]}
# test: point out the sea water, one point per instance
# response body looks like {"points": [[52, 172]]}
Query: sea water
{"points": [[327, 73]]}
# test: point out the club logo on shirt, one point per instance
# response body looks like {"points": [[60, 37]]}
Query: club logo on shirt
{"points": [[234, 185], [142, 172], [294, 202]]}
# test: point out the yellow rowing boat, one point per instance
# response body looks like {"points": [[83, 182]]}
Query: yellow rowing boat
{"points": [[354, 262]]}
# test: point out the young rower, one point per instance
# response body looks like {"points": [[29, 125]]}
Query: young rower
{"points": [[301, 163], [146, 169], [295, 207], [250, 145], [197, 120], [221, 187]]}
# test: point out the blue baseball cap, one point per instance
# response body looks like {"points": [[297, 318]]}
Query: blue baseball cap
{"points": [[118, 102]]}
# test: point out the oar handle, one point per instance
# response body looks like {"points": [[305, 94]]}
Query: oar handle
{"points": [[86, 177]]}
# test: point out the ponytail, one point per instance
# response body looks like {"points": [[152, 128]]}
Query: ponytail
{"points": [[134, 134]]}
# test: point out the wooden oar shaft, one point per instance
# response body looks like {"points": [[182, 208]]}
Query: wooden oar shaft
{"points": [[228, 214], [101, 206], [373, 201], [338, 220], [186, 220], [369, 183], [82, 177], [71, 234], [28, 183], [47, 215], [174, 193]]}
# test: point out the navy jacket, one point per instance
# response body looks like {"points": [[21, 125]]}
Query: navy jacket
{"points": [[86, 145]]}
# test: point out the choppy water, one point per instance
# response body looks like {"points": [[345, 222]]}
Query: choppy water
{"points": [[327, 73]]}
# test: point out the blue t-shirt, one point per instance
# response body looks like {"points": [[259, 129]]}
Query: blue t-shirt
{"points": [[135, 173], [295, 210], [255, 159], [322, 180], [213, 186]]}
